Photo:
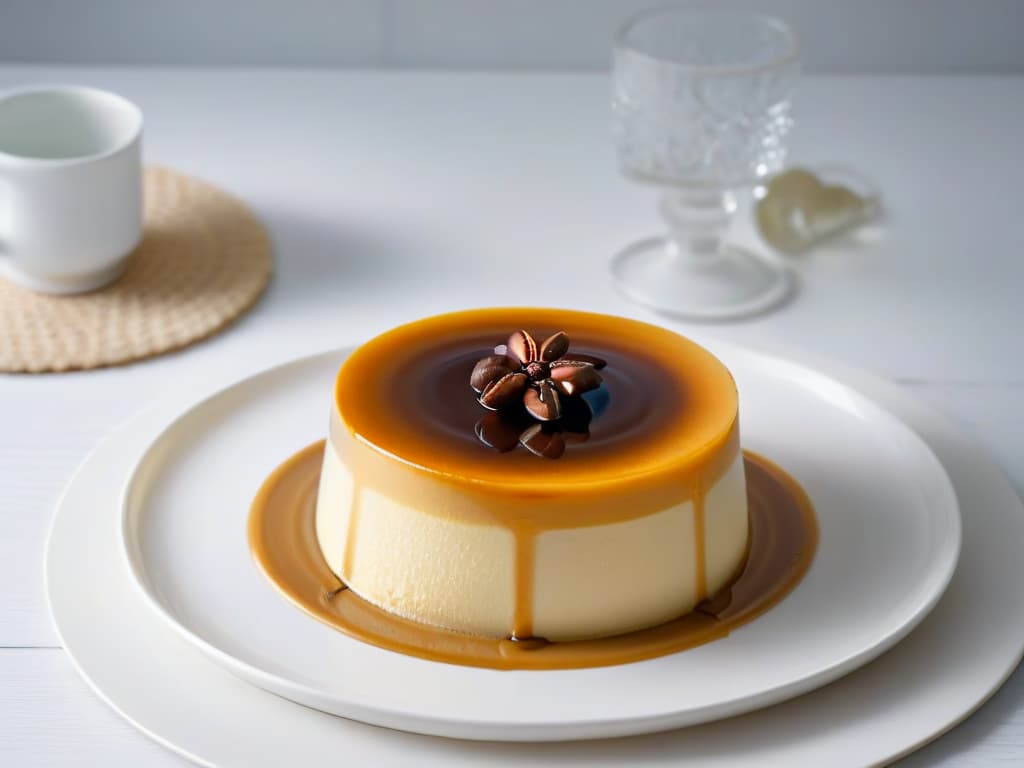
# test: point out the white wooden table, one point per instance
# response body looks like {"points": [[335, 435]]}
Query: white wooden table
{"points": [[390, 196]]}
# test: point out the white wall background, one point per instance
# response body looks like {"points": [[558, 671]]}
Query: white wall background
{"points": [[844, 36]]}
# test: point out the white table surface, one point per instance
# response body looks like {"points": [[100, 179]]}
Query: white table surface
{"points": [[390, 196]]}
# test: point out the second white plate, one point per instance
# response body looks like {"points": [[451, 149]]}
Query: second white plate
{"points": [[890, 536]]}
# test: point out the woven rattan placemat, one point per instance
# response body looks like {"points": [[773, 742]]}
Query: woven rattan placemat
{"points": [[204, 260]]}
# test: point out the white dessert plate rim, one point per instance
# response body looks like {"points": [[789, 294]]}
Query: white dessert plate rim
{"points": [[418, 711]]}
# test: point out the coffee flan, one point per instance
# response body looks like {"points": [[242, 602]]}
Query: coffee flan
{"points": [[533, 473]]}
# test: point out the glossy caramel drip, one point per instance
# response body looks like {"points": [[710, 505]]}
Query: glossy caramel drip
{"points": [[526, 546], [700, 544], [334, 592], [783, 539], [353, 527]]}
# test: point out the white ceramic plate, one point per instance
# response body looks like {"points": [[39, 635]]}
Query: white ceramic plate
{"points": [[961, 653], [890, 536]]}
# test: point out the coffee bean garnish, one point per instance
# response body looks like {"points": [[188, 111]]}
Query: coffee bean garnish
{"points": [[535, 379]]}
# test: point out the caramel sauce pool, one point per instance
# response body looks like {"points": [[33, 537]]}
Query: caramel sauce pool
{"points": [[783, 540]]}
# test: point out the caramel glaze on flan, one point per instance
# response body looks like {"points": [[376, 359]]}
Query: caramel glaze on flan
{"points": [[633, 525]]}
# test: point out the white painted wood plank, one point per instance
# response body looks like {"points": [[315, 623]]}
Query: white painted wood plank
{"points": [[50, 717]]}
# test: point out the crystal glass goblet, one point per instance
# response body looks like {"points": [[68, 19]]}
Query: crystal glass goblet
{"points": [[701, 108]]}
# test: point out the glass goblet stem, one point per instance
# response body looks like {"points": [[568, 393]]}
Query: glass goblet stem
{"points": [[697, 220]]}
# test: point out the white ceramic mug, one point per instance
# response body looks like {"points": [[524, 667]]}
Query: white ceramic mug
{"points": [[70, 187]]}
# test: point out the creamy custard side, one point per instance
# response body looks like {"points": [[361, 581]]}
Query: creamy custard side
{"points": [[587, 581]]}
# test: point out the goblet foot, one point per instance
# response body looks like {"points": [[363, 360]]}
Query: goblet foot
{"points": [[728, 284]]}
